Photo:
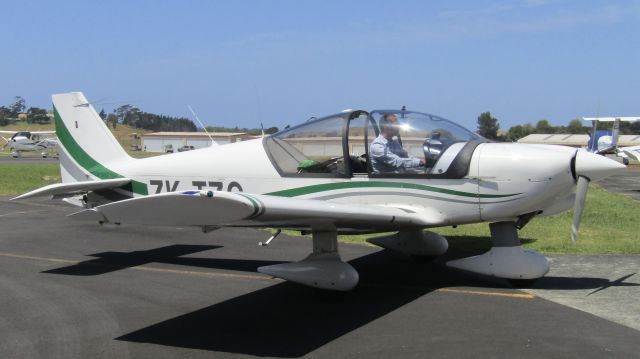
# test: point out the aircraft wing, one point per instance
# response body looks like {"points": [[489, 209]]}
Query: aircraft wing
{"points": [[73, 188], [43, 132], [209, 208], [8, 132]]}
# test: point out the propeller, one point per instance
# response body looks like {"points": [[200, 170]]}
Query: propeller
{"points": [[578, 206], [587, 167], [6, 142]]}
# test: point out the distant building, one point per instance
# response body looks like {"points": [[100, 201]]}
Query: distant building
{"points": [[172, 141], [574, 140]]}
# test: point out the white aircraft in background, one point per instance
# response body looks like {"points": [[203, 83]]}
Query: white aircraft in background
{"points": [[316, 177], [606, 143], [29, 141]]}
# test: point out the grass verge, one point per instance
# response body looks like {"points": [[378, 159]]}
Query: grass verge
{"points": [[19, 178]]}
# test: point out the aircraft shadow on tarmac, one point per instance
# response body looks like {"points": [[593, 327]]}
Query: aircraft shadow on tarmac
{"points": [[577, 283], [289, 320], [108, 262]]}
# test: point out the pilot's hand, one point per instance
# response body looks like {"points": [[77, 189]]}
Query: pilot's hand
{"points": [[422, 163]]}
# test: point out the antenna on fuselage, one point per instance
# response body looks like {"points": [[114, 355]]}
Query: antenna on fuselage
{"points": [[203, 127]]}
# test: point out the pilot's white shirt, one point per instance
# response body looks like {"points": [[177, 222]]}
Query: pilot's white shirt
{"points": [[388, 156]]}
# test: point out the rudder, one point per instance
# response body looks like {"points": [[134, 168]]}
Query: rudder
{"points": [[87, 147]]}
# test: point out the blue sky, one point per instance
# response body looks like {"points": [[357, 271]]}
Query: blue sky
{"points": [[281, 62]]}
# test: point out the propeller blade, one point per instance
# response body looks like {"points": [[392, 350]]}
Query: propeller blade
{"points": [[581, 196]]}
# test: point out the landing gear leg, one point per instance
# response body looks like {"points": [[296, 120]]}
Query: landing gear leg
{"points": [[323, 268], [506, 259]]}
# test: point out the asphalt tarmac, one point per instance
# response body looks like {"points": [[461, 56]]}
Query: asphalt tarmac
{"points": [[71, 289]]}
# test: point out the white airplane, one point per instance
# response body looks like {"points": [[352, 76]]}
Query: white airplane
{"points": [[606, 143], [316, 177], [29, 141]]}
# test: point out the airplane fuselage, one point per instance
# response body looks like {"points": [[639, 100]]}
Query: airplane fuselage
{"points": [[503, 181]]}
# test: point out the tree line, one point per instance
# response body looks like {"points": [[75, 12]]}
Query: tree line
{"points": [[126, 115], [489, 128], [14, 111], [134, 117]]}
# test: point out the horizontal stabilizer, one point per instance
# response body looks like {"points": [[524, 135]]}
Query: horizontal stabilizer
{"points": [[72, 188], [207, 208]]}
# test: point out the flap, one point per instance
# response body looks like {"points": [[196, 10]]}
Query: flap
{"points": [[214, 208]]}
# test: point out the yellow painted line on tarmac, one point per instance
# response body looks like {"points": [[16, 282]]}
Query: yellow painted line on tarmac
{"points": [[457, 291], [480, 292], [147, 268], [204, 274]]}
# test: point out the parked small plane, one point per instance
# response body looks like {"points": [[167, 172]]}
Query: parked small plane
{"points": [[602, 142], [29, 141], [333, 175]]}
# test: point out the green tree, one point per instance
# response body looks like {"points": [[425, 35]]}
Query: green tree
{"points": [[103, 115], [5, 115], [576, 127], [271, 130], [37, 115], [18, 106], [515, 133], [112, 120], [488, 126], [543, 126]]}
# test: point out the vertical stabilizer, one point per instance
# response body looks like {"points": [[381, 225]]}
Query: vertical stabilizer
{"points": [[87, 147]]}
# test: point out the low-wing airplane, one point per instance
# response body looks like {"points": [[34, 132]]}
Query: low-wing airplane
{"points": [[318, 177], [603, 142], [29, 141]]}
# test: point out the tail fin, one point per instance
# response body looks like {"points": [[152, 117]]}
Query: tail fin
{"points": [[86, 145]]}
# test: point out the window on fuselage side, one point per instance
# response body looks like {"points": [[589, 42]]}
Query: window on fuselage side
{"points": [[313, 149]]}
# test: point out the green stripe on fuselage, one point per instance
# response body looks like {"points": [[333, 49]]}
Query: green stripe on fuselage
{"points": [[300, 191], [86, 161]]}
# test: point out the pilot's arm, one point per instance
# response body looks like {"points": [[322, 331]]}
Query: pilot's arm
{"points": [[384, 155]]}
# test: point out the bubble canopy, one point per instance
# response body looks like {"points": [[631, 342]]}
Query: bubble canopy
{"points": [[380, 143]]}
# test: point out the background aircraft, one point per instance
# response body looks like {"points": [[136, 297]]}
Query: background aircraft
{"points": [[602, 141], [317, 177], [30, 141]]}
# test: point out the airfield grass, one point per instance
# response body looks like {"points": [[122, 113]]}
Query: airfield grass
{"points": [[609, 223], [19, 178]]}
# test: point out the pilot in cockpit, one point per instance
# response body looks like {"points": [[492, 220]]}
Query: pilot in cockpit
{"points": [[387, 154]]}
